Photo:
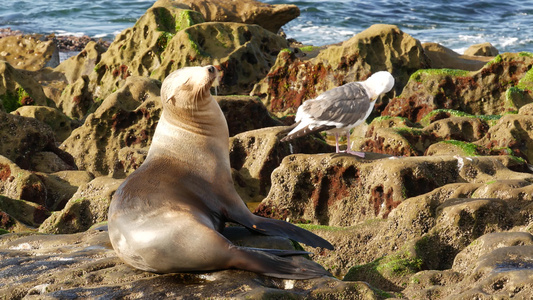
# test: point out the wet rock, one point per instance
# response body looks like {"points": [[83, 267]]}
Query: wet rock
{"points": [[18, 88], [293, 80], [442, 57], [270, 17], [84, 265], [60, 124], [127, 118], [501, 86], [243, 53], [88, 206], [28, 52], [484, 49]]}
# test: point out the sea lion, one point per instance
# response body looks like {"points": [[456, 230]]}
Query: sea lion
{"points": [[168, 215]]}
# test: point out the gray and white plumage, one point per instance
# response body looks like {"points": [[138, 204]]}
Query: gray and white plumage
{"points": [[340, 109]]}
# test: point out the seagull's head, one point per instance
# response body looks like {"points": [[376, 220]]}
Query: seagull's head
{"points": [[379, 83]]}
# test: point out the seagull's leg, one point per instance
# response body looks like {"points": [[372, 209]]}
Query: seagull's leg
{"points": [[349, 147], [337, 143]]}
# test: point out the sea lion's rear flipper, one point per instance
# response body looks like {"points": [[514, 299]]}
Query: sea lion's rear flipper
{"points": [[259, 261], [281, 252], [285, 229]]}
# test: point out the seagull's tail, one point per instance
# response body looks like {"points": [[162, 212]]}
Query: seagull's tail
{"points": [[296, 132]]}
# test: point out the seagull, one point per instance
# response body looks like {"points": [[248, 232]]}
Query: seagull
{"points": [[340, 109]]}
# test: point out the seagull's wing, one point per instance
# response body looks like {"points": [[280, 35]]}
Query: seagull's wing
{"points": [[337, 108]]}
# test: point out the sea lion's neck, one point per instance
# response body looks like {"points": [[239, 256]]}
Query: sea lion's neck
{"points": [[204, 128]]}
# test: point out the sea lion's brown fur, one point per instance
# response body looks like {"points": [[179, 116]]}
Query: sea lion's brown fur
{"points": [[167, 215]]}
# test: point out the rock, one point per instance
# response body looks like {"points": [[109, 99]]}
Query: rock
{"points": [[25, 212], [137, 51], [88, 206], [293, 80], [76, 100], [235, 108], [484, 49], [340, 190], [82, 63], [255, 154], [127, 118], [513, 132], [60, 124], [84, 265], [488, 91], [28, 52], [61, 186], [17, 183], [495, 265], [243, 53], [22, 138], [18, 88], [442, 57], [270, 17]]}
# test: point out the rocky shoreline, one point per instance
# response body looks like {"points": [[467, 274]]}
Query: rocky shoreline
{"points": [[441, 207]]}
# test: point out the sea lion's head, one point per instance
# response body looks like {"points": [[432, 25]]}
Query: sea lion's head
{"points": [[188, 88]]}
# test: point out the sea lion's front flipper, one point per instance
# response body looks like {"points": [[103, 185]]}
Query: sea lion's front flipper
{"points": [[281, 228]]}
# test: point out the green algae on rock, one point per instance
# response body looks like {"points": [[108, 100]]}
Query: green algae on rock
{"points": [[137, 51], [18, 88], [243, 53], [126, 118], [293, 80], [480, 93]]}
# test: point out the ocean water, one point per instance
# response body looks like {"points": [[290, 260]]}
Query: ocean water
{"points": [[454, 24]]}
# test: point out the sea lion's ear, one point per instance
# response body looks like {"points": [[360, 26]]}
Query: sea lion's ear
{"points": [[171, 98]]}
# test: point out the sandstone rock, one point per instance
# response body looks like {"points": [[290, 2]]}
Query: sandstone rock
{"points": [[20, 184], [18, 88], [513, 132], [442, 57], [88, 206], [448, 131], [82, 63], [76, 100], [60, 124], [84, 265], [25, 212], [243, 53], [137, 50], [381, 47], [28, 52], [494, 265], [484, 49], [245, 113], [255, 154], [270, 17], [24, 137], [127, 118], [341, 190], [488, 91], [61, 186]]}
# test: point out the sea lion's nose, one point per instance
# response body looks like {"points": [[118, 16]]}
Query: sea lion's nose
{"points": [[211, 69]]}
